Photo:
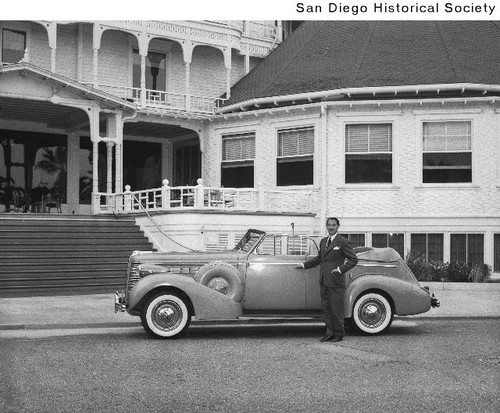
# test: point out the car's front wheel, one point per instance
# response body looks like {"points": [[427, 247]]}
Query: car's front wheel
{"points": [[372, 313], [165, 315]]}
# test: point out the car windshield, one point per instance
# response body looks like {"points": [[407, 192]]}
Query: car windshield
{"points": [[249, 240]]}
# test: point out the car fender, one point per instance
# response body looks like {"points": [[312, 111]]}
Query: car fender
{"points": [[407, 297], [208, 304]]}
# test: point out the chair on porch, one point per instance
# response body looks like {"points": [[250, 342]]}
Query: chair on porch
{"points": [[52, 200]]}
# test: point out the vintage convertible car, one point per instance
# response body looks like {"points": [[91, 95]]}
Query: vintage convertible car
{"points": [[260, 277]]}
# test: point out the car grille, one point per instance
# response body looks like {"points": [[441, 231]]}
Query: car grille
{"points": [[132, 278]]}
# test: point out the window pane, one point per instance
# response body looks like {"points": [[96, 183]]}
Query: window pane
{"points": [[294, 172], [296, 142], [435, 247], [237, 175], [397, 241], [155, 70], [237, 147], [369, 168], [369, 138], [447, 167], [13, 45], [475, 246], [446, 136], [380, 240], [419, 243], [356, 240], [458, 248]]}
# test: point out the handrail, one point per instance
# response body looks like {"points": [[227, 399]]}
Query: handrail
{"points": [[159, 228]]}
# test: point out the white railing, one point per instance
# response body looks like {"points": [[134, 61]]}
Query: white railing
{"points": [[204, 197], [159, 99]]}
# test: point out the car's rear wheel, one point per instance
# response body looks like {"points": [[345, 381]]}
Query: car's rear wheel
{"points": [[372, 313], [166, 315]]}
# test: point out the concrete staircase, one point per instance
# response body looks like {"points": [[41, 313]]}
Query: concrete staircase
{"points": [[65, 255]]}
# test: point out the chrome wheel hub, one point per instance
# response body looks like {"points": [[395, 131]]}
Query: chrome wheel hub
{"points": [[219, 284], [167, 315], [372, 313]]}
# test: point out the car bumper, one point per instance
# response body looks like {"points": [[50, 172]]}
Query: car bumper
{"points": [[120, 305], [434, 301]]}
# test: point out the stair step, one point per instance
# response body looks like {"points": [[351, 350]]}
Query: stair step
{"points": [[21, 237], [33, 265], [61, 256], [74, 241], [56, 254]]}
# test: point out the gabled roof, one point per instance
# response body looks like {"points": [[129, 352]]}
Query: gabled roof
{"points": [[333, 55], [107, 100]]}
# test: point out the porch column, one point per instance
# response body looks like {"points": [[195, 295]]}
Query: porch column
{"points": [[115, 132], [52, 38], [188, 87], [109, 169], [73, 182], [119, 153], [143, 43], [227, 64], [96, 45], [118, 167], [143, 80], [93, 113], [187, 49], [95, 169]]}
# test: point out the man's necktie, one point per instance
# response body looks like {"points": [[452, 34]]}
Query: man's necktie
{"points": [[328, 242]]}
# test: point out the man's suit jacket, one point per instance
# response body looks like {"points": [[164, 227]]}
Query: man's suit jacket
{"points": [[339, 254]]}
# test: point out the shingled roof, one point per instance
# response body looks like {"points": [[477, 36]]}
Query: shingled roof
{"points": [[329, 55]]}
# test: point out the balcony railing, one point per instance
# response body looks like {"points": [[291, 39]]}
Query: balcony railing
{"points": [[158, 99], [203, 197]]}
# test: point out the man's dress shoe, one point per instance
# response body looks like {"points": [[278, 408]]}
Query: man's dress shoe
{"points": [[327, 338], [336, 339]]}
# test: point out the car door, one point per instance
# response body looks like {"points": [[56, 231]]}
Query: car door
{"points": [[273, 281], [313, 297]]}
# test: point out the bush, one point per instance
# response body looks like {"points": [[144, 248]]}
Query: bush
{"points": [[439, 271], [481, 273]]}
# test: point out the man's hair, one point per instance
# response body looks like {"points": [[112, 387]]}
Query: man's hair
{"points": [[333, 219]]}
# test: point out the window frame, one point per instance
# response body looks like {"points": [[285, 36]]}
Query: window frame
{"points": [[426, 252], [281, 159], [467, 246], [235, 163], [391, 152], [473, 149]]}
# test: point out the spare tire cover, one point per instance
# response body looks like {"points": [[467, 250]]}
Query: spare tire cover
{"points": [[222, 277]]}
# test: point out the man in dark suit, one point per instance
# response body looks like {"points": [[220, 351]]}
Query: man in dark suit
{"points": [[336, 256]]}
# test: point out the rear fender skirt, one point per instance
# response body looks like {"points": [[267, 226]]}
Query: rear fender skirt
{"points": [[405, 296]]}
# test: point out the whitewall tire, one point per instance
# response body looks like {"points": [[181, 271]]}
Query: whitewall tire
{"points": [[165, 315], [372, 313]]}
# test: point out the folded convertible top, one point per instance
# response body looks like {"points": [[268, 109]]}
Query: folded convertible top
{"points": [[377, 254]]}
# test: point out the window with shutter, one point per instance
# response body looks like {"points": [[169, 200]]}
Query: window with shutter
{"points": [[238, 154], [368, 149], [447, 152], [295, 161]]}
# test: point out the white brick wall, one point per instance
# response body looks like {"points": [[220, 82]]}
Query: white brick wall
{"points": [[406, 196]]}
